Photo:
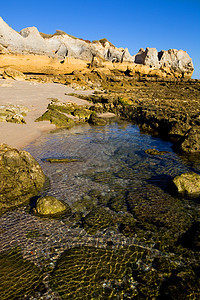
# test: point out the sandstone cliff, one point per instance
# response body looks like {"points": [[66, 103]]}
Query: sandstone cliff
{"points": [[30, 51]]}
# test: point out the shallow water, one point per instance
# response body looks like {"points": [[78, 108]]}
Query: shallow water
{"points": [[110, 156], [95, 258]]}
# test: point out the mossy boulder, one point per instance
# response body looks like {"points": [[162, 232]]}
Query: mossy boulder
{"points": [[21, 177], [50, 206], [57, 118], [82, 113], [187, 183], [67, 108]]}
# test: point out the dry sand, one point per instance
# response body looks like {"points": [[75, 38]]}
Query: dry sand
{"points": [[36, 97]]}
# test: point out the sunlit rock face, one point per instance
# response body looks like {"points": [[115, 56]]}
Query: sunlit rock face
{"points": [[173, 60], [59, 46], [21, 177]]}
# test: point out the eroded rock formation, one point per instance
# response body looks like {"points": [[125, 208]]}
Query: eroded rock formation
{"points": [[35, 52]]}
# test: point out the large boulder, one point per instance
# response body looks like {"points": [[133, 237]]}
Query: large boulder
{"points": [[187, 183], [147, 57], [50, 206], [178, 61], [21, 177], [151, 57]]}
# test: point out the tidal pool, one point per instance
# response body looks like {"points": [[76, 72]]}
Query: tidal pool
{"points": [[108, 157], [128, 236], [114, 185]]}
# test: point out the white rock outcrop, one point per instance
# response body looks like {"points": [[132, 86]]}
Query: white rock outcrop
{"points": [[61, 45]]}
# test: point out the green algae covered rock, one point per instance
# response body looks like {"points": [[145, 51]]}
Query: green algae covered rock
{"points": [[21, 177], [65, 114], [187, 183], [57, 118], [67, 108], [82, 113], [125, 101], [155, 152], [19, 277], [50, 206], [62, 160]]}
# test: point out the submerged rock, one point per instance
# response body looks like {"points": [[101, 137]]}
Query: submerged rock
{"points": [[187, 183], [21, 177], [19, 278], [155, 152], [50, 205], [62, 160], [97, 219]]}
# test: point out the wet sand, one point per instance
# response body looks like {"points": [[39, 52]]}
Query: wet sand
{"points": [[36, 97]]}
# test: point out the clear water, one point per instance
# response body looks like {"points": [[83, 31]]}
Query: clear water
{"points": [[134, 255], [111, 157]]}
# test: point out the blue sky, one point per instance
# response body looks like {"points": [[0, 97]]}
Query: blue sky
{"points": [[160, 24]]}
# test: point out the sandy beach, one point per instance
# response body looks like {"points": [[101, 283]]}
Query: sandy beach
{"points": [[36, 97]]}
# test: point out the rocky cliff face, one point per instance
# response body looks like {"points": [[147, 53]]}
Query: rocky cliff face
{"points": [[59, 46]]}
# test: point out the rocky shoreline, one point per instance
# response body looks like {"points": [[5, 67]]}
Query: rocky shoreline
{"points": [[125, 244]]}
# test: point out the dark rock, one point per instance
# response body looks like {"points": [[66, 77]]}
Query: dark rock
{"points": [[190, 142], [94, 120], [150, 205], [191, 238]]}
